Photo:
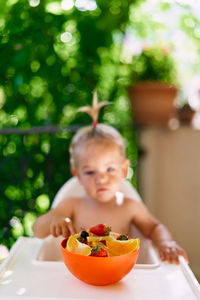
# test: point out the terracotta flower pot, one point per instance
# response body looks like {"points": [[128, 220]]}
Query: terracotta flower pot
{"points": [[152, 102]]}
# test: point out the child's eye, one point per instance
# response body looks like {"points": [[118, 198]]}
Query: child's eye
{"points": [[111, 169], [89, 172]]}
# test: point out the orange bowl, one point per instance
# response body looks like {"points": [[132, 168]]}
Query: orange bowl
{"points": [[98, 270]]}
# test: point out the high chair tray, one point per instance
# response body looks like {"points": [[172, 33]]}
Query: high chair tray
{"points": [[22, 276]]}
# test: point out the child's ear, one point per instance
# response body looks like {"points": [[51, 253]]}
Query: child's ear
{"points": [[74, 172], [125, 168]]}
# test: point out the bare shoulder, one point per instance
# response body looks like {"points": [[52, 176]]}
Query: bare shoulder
{"points": [[135, 206], [141, 216], [132, 202], [68, 203]]}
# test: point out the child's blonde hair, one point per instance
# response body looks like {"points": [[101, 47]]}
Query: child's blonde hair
{"points": [[94, 131]]}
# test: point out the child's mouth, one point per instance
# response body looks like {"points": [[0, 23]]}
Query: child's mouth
{"points": [[102, 189]]}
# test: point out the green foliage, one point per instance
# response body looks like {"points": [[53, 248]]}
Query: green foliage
{"points": [[190, 24], [53, 58], [142, 25], [153, 64]]}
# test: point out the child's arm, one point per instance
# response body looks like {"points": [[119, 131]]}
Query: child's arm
{"points": [[52, 223], [55, 222], [158, 233], [168, 249]]}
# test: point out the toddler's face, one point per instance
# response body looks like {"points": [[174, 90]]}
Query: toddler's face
{"points": [[100, 169]]}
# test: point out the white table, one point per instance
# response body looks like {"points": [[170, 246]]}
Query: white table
{"points": [[22, 277]]}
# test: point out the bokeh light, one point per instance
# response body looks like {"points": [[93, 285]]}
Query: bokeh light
{"points": [[84, 5], [28, 221], [42, 203], [67, 4], [17, 227], [34, 3]]}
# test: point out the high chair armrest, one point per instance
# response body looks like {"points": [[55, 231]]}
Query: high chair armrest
{"points": [[189, 276]]}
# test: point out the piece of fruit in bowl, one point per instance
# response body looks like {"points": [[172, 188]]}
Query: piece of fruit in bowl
{"points": [[99, 256]]}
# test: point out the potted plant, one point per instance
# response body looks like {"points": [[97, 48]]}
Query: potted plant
{"points": [[152, 91]]}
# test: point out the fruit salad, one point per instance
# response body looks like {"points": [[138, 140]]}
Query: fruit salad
{"points": [[100, 241]]}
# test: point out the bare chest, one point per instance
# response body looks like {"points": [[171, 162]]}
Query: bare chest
{"points": [[116, 216]]}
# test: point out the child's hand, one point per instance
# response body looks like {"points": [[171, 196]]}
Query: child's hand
{"points": [[170, 251], [61, 226]]}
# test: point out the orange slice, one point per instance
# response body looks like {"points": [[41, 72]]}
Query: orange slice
{"points": [[73, 245], [93, 241], [114, 235], [99, 238], [116, 247]]}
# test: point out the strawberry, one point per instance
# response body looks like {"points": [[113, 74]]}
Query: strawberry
{"points": [[99, 251], [103, 242], [100, 230]]}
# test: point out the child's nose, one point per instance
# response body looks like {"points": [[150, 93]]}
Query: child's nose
{"points": [[101, 177]]}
